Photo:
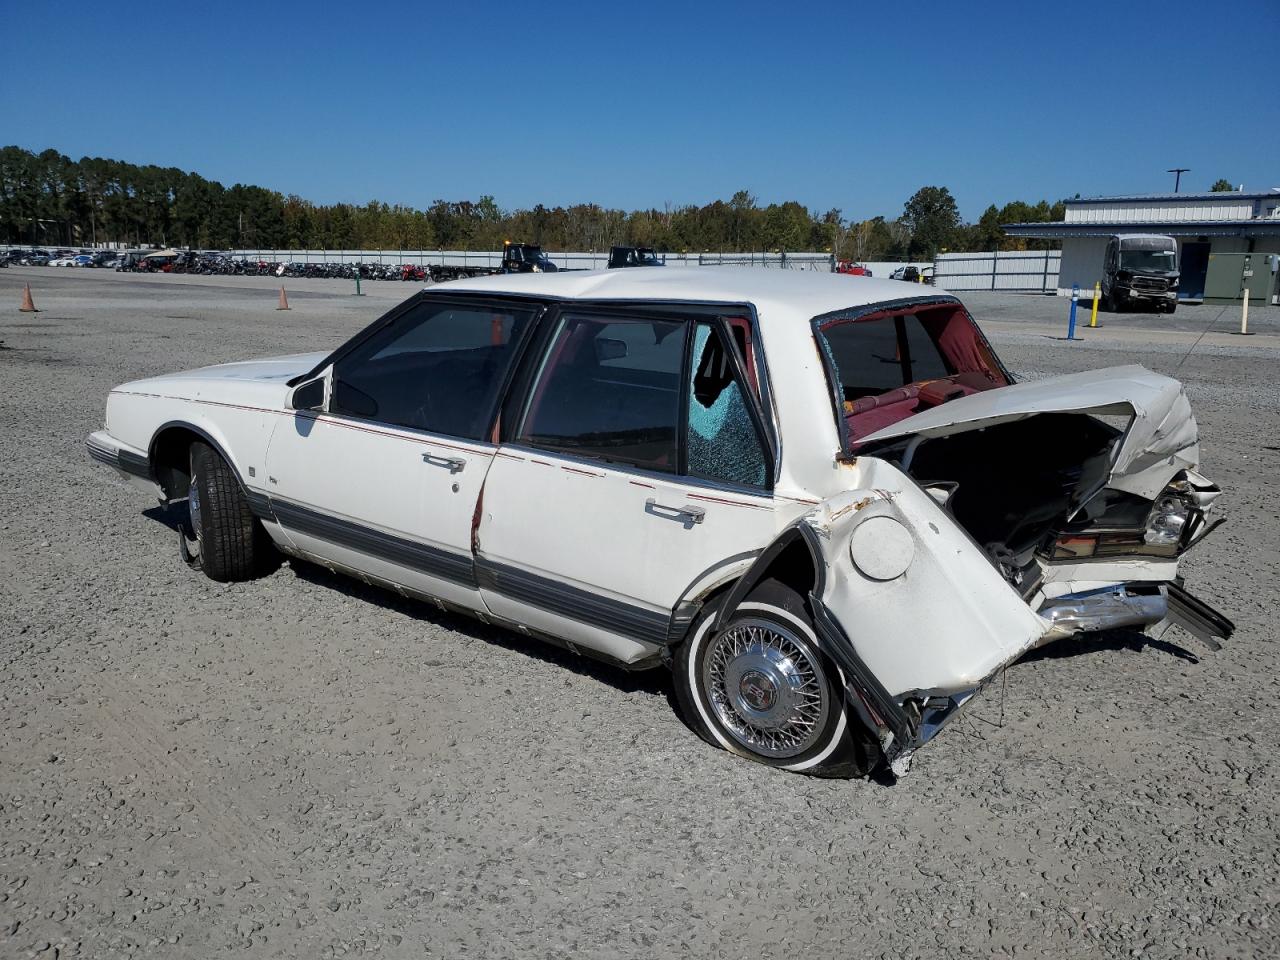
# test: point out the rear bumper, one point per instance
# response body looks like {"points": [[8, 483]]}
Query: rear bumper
{"points": [[1108, 608], [1135, 605]]}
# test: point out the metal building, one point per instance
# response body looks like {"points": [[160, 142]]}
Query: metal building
{"points": [[1204, 225]]}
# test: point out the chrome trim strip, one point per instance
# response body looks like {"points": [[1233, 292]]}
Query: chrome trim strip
{"points": [[1197, 617], [574, 603]]}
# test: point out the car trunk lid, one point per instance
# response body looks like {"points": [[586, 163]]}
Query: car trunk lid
{"points": [[1160, 441]]}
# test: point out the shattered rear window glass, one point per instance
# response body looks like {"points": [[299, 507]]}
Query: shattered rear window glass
{"points": [[722, 440]]}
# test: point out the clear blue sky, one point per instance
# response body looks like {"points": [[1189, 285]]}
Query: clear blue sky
{"points": [[636, 104]]}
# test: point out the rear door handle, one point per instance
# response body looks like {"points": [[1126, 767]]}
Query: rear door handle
{"points": [[689, 513], [454, 464]]}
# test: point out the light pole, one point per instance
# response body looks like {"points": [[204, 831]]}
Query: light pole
{"points": [[1177, 176]]}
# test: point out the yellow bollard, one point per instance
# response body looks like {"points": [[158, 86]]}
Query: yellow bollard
{"points": [[1097, 293]]}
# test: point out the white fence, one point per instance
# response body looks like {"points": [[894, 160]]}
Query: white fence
{"points": [[596, 260], [1013, 270], [817, 262]]}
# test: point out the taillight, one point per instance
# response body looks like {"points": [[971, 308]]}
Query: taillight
{"points": [[1074, 546], [1117, 543]]}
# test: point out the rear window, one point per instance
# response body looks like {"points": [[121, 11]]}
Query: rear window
{"points": [[874, 356], [884, 366]]}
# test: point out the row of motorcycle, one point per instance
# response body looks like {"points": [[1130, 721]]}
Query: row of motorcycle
{"points": [[231, 266]]}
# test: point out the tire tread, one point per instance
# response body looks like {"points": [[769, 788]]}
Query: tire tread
{"points": [[231, 544]]}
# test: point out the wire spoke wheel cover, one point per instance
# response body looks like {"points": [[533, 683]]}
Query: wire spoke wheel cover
{"points": [[189, 534], [193, 507], [766, 686]]}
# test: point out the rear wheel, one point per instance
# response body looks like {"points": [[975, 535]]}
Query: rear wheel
{"points": [[218, 533], [762, 688]]}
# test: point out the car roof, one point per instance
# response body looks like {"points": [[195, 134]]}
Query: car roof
{"points": [[776, 294]]}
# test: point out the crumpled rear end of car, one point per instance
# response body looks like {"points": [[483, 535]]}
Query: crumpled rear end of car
{"points": [[986, 527]]}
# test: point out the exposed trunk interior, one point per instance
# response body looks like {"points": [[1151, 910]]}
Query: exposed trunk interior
{"points": [[1016, 482]]}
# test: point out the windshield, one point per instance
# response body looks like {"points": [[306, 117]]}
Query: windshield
{"points": [[1147, 260], [647, 257]]}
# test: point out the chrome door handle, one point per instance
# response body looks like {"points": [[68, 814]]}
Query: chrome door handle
{"points": [[455, 464], [690, 513]]}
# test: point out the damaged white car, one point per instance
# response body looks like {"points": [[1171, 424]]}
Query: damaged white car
{"points": [[826, 506]]}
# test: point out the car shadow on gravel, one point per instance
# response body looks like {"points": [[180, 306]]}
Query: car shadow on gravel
{"points": [[656, 681], [1132, 640]]}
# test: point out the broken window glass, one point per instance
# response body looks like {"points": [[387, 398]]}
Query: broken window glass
{"points": [[723, 443]]}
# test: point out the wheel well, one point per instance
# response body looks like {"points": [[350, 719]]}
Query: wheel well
{"points": [[793, 567], [789, 560], [171, 460]]}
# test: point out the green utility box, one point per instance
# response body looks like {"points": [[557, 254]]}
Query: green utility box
{"points": [[1230, 273]]}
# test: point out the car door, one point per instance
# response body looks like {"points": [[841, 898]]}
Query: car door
{"points": [[384, 478], [636, 467]]}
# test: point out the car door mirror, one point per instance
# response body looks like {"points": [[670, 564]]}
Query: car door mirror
{"points": [[607, 349], [308, 396]]}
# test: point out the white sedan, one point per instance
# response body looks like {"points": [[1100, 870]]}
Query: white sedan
{"points": [[824, 504]]}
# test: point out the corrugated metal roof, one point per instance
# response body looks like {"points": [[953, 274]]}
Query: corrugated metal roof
{"points": [[1221, 195], [1220, 228]]}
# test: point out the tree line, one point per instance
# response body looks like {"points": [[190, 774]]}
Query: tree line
{"points": [[47, 198]]}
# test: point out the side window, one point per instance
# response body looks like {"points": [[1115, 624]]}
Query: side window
{"points": [[437, 368], [723, 443], [609, 388]]}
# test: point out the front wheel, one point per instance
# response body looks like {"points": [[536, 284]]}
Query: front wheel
{"points": [[762, 688], [219, 534]]}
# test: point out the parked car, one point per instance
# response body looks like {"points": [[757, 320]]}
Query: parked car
{"points": [[832, 557], [913, 274], [36, 258], [633, 257], [65, 260], [82, 260], [852, 268]]}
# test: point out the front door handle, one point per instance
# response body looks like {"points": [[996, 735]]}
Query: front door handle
{"points": [[454, 464], [688, 513]]}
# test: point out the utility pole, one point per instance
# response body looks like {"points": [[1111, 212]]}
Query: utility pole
{"points": [[1177, 176]]}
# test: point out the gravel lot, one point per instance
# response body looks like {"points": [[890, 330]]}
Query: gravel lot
{"points": [[301, 766]]}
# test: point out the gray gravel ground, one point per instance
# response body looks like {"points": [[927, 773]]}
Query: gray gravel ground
{"points": [[304, 767]]}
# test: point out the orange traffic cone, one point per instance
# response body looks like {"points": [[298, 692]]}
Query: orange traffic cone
{"points": [[27, 305], [284, 301]]}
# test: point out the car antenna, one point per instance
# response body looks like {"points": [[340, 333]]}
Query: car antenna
{"points": [[1199, 338]]}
